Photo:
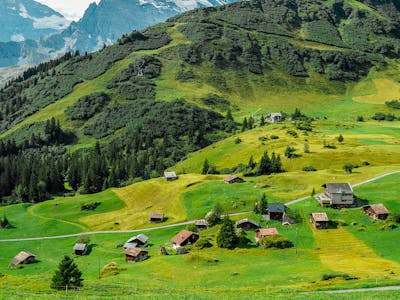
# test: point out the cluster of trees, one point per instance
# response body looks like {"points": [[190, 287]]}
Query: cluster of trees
{"points": [[395, 104], [379, 116]]}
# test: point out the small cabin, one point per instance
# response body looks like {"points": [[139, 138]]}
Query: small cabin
{"points": [[184, 238], [80, 249], [276, 211], [274, 117], [247, 224], [23, 258], [376, 211], [135, 255], [337, 195], [233, 179], [156, 217], [201, 224], [170, 176], [320, 220], [264, 232], [137, 241]]}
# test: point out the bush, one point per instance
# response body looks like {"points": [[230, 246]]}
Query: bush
{"points": [[292, 133], [192, 227], [309, 169], [203, 243], [348, 168], [238, 140], [338, 275], [360, 119], [393, 104], [274, 137], [276, 241]]}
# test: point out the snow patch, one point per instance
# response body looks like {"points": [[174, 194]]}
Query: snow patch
{"points": [[50, 22], [17, 38]]}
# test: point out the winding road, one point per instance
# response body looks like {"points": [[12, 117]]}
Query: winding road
{"points": [[171, 225]]}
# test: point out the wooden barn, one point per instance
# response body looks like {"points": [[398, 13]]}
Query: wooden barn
{"points": [[376, 211], [233, 179], [276, 211], [320, 220], [156, 217], [247, 224], [80, 249], [184, 238], [137, 241], [201, 224], [135, 255], [23, 258], [264, 232], [170, 176]]}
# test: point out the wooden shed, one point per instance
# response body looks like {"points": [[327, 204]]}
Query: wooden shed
{"points": [[201, 224], [184, 238], [276, 211], [247, 224], [233, 179], [376, 211], [23, 258], [156, 217], [170, 176], [264, 232], [135, 254], [320, 220], [80, 249], [137, 241]]}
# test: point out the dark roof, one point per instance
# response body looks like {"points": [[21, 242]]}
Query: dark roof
{"points": [[320, 217], [134, 252], [276, 207], [141, 237], [156, 216], [232, 178], [21, 257], [247, 220], [338, 188], [182, 237], [80, 247]]}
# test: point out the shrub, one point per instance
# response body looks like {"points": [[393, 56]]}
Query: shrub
{"points": [[292, 133], [238, 140], [395, 217], [192, 227], [360, 119], [348, 168], [393, 104], [274, 137], [309, 169], [276, 241], [337, 275], [203, 243]]}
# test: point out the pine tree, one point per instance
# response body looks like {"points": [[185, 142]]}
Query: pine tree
{"points": [[227, 236], [340, 138], [206, 167], [229, 116], [67, 276], [264, 165], [250, 124], [262, 121], [251, 163], [244, 125], [263, 205]]}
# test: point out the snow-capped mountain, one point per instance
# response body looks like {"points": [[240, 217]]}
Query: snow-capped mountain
{"points": [[21, 20]]}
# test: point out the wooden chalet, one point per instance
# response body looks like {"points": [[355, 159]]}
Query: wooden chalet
{"points": [[376, 211], [184, 238], [264, 232], [337, 195], [23, 258], [136, 254], [156, 217], [247, 224], [80, 249], [137, 241], [233, 179], [320, 220], [274, 117], [276, 211], [201, 224], [170, 176]]}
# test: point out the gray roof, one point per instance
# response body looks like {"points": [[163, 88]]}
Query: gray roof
{"points": [[200, 222], [170, 175], [276, 207], [80, 247], [338, 188], [141, 237], [247, 220]]}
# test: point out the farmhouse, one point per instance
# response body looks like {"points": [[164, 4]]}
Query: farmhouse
{"points": [[337, 195], [320, 220], [201, 224], [135, 254], [233, 179], [137, 241], [376, 211], [276, 211], [184, 238], [80, 249], [264, 232], [170, 176], [23, 258], [274, 117], [247, 224], [156, 217]]}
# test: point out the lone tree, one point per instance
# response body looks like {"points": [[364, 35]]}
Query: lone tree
{"points": [[216, 214], [227, 237], [206, 167], [67, 276], [340, 138], [348, 168], [4, 223]]}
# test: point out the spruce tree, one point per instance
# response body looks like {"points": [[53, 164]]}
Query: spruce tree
{"points": [[263, 205], [67, 276], [206, 167], [262, 121], [227, 237], [265, 165], [244, 125]]}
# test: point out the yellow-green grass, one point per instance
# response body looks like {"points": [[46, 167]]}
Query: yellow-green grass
{"points": [[386, 90], [143, 198]]}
